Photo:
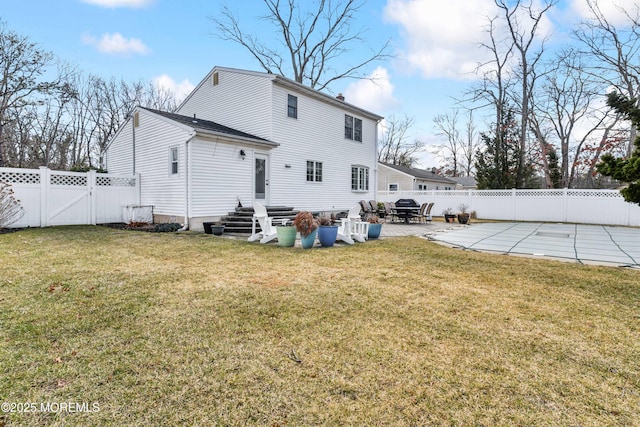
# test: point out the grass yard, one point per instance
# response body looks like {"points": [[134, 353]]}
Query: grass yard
{"points": [[189, 329]]}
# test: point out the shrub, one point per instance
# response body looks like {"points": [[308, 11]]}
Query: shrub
{"points": [[10, 208]]}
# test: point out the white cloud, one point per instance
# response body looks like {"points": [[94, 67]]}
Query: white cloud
{"points": [[613, 10], [180, 90], [376, 95], [442, 39], [116, 44], [120, 3]]}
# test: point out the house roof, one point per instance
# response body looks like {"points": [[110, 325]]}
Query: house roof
{"points": [[420, 173], [292, 84], [208, 127], [465, 181]]}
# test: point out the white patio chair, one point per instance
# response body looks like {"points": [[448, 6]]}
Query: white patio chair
{"points": [[352, 228], [268, 231]]}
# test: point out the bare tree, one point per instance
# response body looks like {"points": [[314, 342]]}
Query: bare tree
{"points": [[565, 100], [394, 146], [529, 48], [496, 79], [311, 40], [614, 50], [447, 125], [22, 65], [470, 146]]}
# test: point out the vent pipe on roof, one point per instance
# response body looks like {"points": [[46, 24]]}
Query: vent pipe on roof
{"points": [[340, 97]]}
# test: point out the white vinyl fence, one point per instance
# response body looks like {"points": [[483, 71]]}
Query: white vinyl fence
{"points": [[64, 198], [560, 205]]}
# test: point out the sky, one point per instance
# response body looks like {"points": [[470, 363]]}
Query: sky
{"points": [[174, 44]]}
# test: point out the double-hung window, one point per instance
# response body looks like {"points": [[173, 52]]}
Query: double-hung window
{"points": [[352, 128], [314, 171], [173, 160], [292, 106], [359, 178]]}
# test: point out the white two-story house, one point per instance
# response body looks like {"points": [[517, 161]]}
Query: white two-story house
{"points": [[244, 136]]}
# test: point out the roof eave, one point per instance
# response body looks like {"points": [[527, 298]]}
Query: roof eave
{"points": [[324, 97], [221, 135]]}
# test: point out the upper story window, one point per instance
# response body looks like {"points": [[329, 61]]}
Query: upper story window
{"points": [[314, 171], [359, 178], [216, 79], [292, 106], [352, 128], [173, 160]]}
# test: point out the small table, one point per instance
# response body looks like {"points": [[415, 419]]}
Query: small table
{"points": [[407, 212]]}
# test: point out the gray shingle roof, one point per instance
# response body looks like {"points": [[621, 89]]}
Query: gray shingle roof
{"points": [[207, 125], [420, 173]]}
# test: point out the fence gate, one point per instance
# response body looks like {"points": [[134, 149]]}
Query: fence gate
{"points": [[66, 198]]}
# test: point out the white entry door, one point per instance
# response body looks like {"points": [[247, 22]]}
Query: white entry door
{"points": [[261, 171]]}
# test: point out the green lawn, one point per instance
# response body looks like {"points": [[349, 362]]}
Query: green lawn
{"points": [[190, 329]]}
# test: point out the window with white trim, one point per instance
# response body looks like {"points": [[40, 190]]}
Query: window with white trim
{"points": [[359, 178], [292, 106], [314, 171], [352, 128], [173, 160], [393, 187]]}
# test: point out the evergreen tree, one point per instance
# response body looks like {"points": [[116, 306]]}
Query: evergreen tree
{"points": [[625, 169], [497, 165]]}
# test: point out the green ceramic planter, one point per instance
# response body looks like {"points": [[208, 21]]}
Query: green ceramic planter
{"points": [[286, 236]]}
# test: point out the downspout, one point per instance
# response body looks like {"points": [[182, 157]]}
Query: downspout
{"points": [[133, 133], [187, 148], [375, 163]]}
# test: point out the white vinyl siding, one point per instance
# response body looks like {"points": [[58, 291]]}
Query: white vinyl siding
{"points": [[317, 135], [240, 100], [119, 155], [219, 177]]}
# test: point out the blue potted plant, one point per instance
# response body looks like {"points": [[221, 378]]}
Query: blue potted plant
{"points": [[375, 227], [307, 226], [327, 232]]}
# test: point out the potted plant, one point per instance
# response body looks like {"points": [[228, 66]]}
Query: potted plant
{"points": [[217, 229], [449, 215], [307, 226], [375, 227], [327, 232], [286, 234], [463, 216], [207, 227]]}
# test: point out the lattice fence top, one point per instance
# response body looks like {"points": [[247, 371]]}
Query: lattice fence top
{"points": [[70, 180], [115, 181], [20, 177]]}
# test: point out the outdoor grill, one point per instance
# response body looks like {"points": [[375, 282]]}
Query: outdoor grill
{"points": [[407, 208], [407, 203]]}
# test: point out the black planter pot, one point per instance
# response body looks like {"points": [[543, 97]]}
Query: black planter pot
{"points": [[217, 230], [207, 227], [463, 218], [449, 217]]}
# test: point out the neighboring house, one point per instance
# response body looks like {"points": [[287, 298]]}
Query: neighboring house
{"points": [[465, 182], [244, 136], [403, 178]]}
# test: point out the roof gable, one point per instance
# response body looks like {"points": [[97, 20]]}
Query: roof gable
{"points": [[291, 84]]}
